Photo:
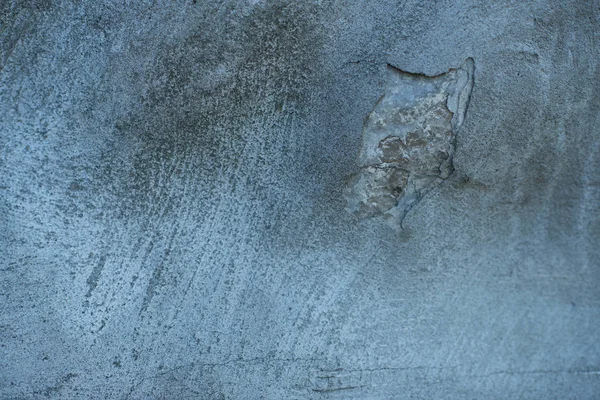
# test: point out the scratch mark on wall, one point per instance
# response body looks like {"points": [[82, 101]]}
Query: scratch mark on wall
{"points": [[94, 277], [155, 279]]}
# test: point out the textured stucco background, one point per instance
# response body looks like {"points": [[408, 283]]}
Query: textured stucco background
{"points": [[172, 223]]}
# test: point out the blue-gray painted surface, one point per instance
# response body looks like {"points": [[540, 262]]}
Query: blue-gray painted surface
{"points": [[172, 220]]}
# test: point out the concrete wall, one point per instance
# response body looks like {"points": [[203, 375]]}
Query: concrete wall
{"points": [[172, 212]]}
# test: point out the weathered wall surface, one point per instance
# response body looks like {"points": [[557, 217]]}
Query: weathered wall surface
{"points": [[172, 210]]}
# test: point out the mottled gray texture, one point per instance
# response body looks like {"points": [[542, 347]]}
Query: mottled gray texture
{"points": [[172, 212]]}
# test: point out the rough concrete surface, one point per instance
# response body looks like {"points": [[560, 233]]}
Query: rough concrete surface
{"points": [[172, 209]]}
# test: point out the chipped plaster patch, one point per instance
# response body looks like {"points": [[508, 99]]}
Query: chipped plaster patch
{"points": [[409, 141]]}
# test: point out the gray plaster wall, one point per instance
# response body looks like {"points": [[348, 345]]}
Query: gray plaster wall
{"points": [[172, 220]]}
